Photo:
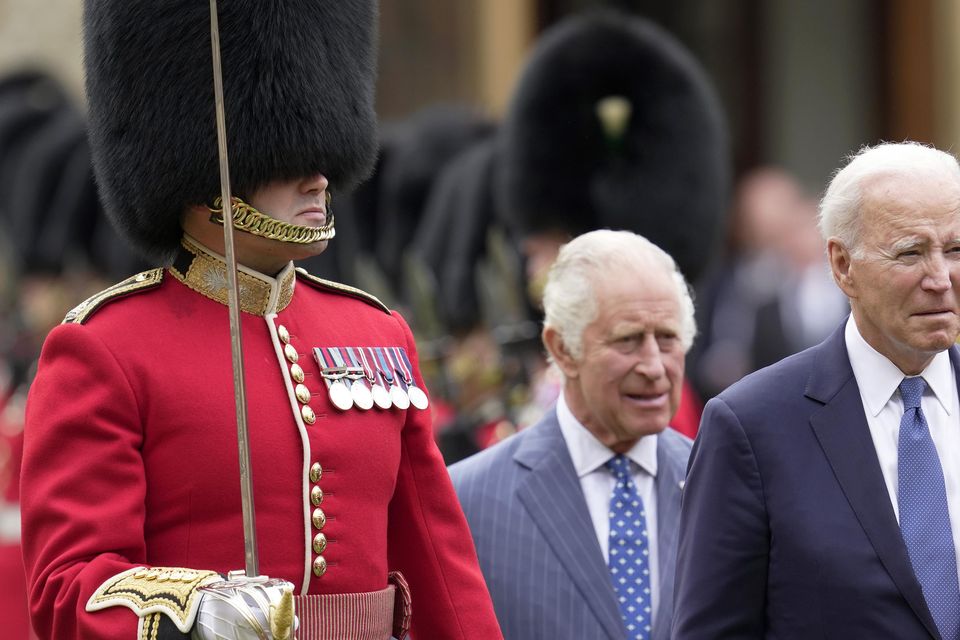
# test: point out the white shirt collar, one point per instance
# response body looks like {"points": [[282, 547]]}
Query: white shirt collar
{"points": [[589, 454], [878, 378]]}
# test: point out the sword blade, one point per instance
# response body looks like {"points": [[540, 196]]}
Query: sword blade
{"points": [[233, 303]]}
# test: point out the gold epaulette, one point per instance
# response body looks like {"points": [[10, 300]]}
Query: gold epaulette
{"points": [[336, 287], [151, 592], [140, 282]]}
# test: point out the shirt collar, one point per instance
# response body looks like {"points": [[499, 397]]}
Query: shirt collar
{"points": [[589, 454], [878, 378], [204, 271]]}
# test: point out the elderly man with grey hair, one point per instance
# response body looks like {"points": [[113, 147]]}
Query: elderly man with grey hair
{"points": [[575, 518], [823, 496]]}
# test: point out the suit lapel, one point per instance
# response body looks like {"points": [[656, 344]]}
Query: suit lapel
{"points": [[551, 494], [669, 476], [842, 430]]}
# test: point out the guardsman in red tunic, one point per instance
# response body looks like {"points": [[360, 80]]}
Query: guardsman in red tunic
{"points": [[130, 483]]}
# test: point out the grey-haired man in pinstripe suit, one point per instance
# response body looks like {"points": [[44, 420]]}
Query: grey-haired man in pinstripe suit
{"points": [[575, 518]]}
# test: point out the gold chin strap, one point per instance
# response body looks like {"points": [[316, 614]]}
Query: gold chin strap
{"points": [[248, 219]]}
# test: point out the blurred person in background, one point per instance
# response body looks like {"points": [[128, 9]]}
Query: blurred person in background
{"points": [[769, 295], [575, 518], [470, 310], [58, 248], [806, 305]]}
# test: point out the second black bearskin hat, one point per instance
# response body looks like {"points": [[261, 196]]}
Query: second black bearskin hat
{"points": [[614, 125], [298, 79]]}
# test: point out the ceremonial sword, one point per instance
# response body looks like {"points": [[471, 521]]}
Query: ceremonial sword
{"points": [[252, 564]]}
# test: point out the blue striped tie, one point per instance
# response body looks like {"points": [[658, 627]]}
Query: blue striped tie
{"points": [[924, 517], [629, 561]]}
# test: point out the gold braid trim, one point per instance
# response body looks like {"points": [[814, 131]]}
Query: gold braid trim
{"points": [[170, 591], [336, 287], [247, 218], [145, 280], [149, 627], [207, 275]]}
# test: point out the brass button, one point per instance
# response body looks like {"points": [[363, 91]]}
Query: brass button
{"points": [[291, 353], [308, 415], [319, 566], [303, 394], [319, 518], [283, 333], [315, 472], [319, 543], [316, 496], [296, 372]]}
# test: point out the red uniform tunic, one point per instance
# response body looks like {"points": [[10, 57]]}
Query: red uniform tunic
{"points": [[13, 605], [131, 460]]}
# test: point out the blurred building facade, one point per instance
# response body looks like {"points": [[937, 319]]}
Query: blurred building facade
{"points": [[803, 83]]}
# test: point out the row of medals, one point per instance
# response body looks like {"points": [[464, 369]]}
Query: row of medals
{"points": [[387, 383]]}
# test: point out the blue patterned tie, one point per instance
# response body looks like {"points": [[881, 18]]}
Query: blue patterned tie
{"points": [[629, 556], [924, 518]]}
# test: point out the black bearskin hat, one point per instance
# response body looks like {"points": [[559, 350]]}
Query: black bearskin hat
{"points": [[298, 80], [421, 146], [614, 125]]}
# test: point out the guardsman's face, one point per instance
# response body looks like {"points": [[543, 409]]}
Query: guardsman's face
{"points": [[302, 202], [626, 384], [904, 289]]}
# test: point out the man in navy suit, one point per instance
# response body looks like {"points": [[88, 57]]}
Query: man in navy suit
{"points": [[575, 518], [823, 495]]}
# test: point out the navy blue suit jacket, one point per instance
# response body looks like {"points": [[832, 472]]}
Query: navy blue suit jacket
{"points": [[536, 543], [787, 530]]}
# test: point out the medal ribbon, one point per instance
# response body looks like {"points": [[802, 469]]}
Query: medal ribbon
{"points": [[396, 368], [367, 369], [355, 365], [402, 367], [383, 368], [336, 358], [318, 354], [345, 371]]}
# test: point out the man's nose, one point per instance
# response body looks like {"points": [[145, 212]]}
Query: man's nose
{"points": [[938, 275], [649, 359], [316, 182]]}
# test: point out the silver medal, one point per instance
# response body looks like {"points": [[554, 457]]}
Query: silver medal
{"points": [[399, 397], [340, 395], [361, 395], [417, 397], [380, 396]]}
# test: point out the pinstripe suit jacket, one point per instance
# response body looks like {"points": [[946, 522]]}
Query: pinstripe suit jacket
{"points": [[538, 550]]}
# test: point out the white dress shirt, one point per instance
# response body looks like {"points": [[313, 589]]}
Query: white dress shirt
{"points": [[878, 380], [597, 483]]}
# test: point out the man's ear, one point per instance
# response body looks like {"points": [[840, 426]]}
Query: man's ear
{"points": [[554, 343], [841, 267]]}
